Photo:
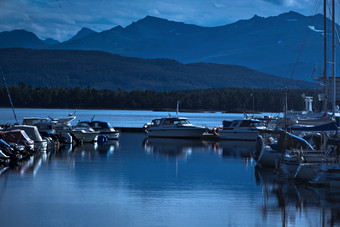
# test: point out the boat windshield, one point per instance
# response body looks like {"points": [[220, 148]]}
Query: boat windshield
{"points": [[83, 124], [250, 123], [156, 122], [181, 122]]}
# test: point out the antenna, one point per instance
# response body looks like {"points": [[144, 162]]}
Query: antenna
{"points": [[9, 95]]}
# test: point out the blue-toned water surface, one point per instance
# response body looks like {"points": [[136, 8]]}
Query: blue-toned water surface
{"points": [[137, 181]]}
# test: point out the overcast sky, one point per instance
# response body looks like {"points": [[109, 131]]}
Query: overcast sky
{"points": [[61, 19]]}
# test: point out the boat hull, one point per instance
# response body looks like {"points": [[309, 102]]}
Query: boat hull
{"points": [[110, 135], [86, 137], [269, 157]]}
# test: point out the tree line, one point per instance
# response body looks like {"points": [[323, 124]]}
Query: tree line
{"points": [[214, 99]]}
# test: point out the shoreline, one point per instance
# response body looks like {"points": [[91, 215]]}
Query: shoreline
{"points": [[156, 110]]}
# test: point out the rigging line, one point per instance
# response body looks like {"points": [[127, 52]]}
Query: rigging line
{"points": [[9, 95], [336, 30], [303, 44], [338, 13], [313, 11]]}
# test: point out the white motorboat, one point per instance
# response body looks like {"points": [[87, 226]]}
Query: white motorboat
{"points": [[17, 138], [83, 133], [246, 129], [102, 127], [85, 136], [33, 133], [173, 127]]}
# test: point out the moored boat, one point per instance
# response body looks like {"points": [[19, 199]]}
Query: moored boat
{"points": [[102, 127], [33, 133], [246, 129], [173, 127]]}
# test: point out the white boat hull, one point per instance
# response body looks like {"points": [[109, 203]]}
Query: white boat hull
{"points": [[269, 157], [110, 135], [86, 137], [40, 146]]}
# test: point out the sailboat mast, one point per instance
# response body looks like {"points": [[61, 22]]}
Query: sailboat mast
{"points": [[324, 108], [333, 58], [9, 95]]}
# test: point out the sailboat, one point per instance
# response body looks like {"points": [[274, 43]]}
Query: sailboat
{"points": [[301, 162], [328, 95]]}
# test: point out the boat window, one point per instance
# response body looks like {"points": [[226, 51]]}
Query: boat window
{"points": [[226, 124], [83, 124], [245, 123], [176, 122], [44, 127], [25, 135], [235, 123], [156, 122], [257, 124]]}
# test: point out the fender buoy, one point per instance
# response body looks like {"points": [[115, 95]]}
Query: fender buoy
{"points": [[215, 130]]}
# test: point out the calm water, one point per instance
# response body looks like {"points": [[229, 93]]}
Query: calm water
{"points": [[137, 181]]}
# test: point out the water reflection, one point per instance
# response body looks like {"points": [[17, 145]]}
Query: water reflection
{"points": [[30, 166], [140, 181], [296, 201], [232, 148], [172, 147], [92, 150]]}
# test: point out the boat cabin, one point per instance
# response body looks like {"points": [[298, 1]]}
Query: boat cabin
{"points": [[31, 131], [98, 125], [170, 121], [246, 123], [14, 136]]}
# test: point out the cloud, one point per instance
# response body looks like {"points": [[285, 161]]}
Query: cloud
{"points": [[61, 19], [290, 3]]}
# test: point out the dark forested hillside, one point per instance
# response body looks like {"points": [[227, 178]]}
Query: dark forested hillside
{"points": [[221, 99], [100, 70]]}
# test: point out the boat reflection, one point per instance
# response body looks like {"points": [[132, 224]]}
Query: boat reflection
{"points": [[229, 148], [171, 147], [90, 150], [319, 206], [30, 166]]}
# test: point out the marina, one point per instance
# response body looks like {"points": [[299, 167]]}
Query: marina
{"points": [[138, 180], [92, 136]]}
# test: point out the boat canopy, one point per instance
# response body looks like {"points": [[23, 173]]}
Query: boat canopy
{"points": [[317, 128], [31, 131], [241, 123], [100, 124], [288, 140], [14, 136], [300, 140]]}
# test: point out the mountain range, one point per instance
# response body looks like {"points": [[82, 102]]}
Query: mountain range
{"points": [[102, 70], [288, 45]]}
